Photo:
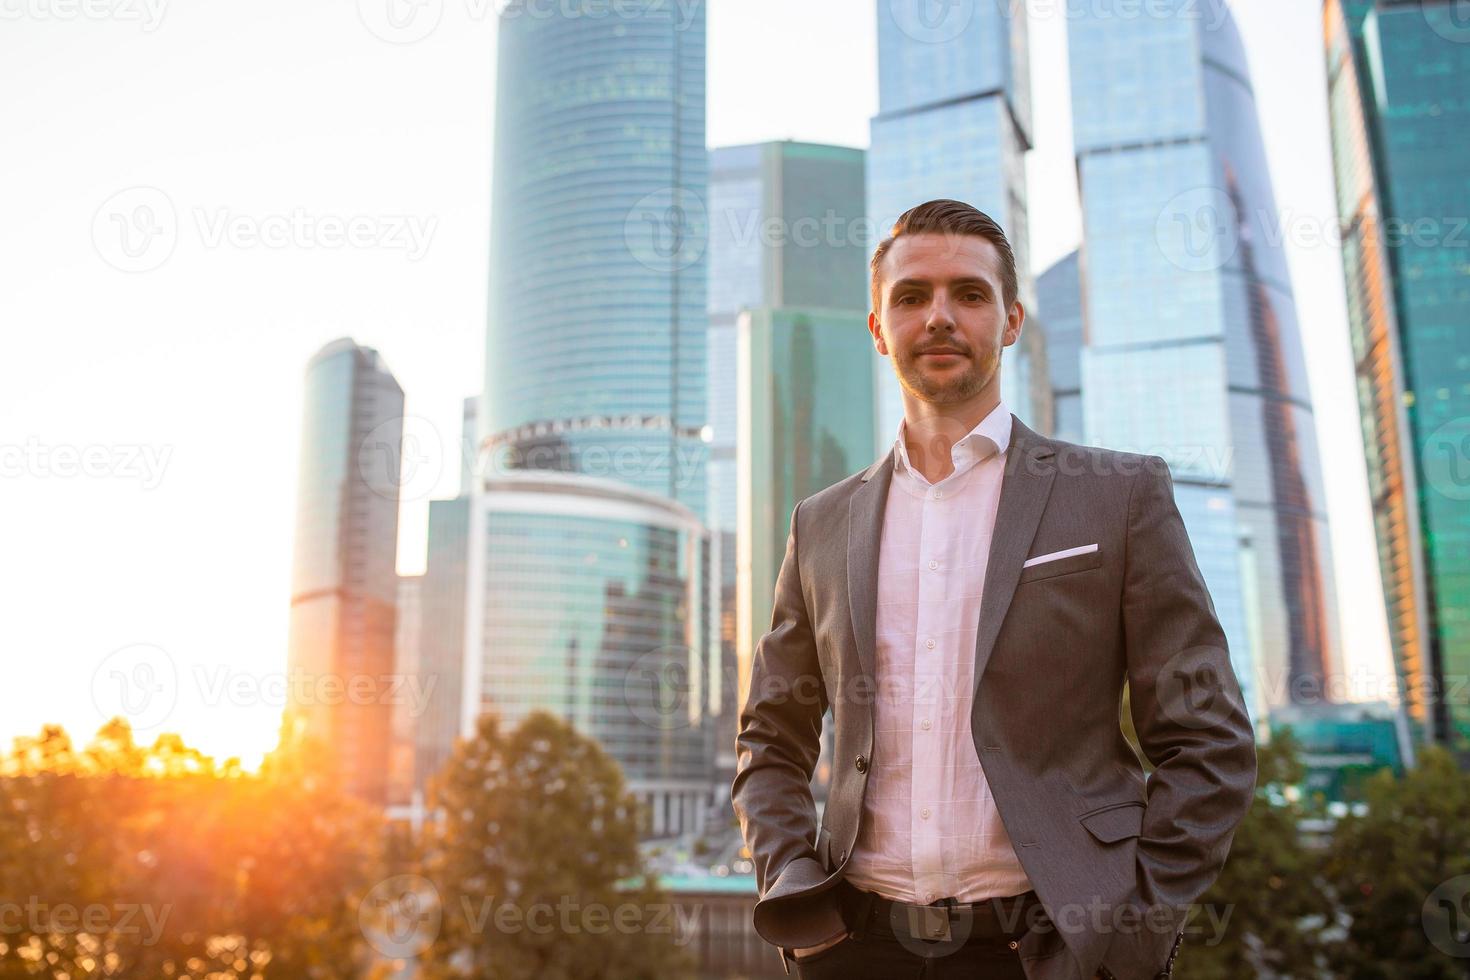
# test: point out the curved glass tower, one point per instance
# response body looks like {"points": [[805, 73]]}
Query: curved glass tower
{"points": [[1399, 91], [595, 604], [1192, 349], [595, 352], [588, 577]]}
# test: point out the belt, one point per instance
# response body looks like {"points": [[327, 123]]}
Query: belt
{"points": [[998, 922]]}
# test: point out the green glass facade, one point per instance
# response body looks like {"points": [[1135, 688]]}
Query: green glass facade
{"points": [[806, 422], [591, 599], [1399, 91]]}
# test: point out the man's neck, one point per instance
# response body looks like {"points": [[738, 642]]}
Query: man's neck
{"points": [[930, 431]]}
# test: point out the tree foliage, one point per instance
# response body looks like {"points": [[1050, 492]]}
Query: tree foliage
{"points": [[536, 863], [129, 861]]}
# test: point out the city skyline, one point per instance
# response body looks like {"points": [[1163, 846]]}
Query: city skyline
{"points": [[148, 330]]}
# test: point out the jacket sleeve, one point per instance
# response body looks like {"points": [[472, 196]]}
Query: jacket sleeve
{"points": [[1191, 720], [776, 753]]}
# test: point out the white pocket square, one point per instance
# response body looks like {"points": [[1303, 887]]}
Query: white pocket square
{"points": [[1040, 559]]}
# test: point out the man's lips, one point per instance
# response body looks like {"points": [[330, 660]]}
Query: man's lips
{"points": [[941, 353]]}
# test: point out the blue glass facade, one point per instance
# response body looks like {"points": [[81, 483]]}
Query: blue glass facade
{"points": [[593, 601], [588, 573], [788, 230], [1399, 93], [1191, 348], [595, 352], [954, 121], [1059, 302], [344, 586], [441, 659]]}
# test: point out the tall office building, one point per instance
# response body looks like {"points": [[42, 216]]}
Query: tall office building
{"points": [[343, 582], [1059, 300], [588, 560], [595, 353], [441, 639], [954, 121], [593, 600], [469, 443], [1399, 94], [1192, 349], [805, 423], [787, 234], [403, 690]]}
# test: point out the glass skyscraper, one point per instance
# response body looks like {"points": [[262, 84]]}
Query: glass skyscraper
{"points": [[595, 351], [1399, 94], [441, 649], [588, 573], [593, 600], [805, 424], [954, 121], [1192, 348], [787, 232], [343, 581], [1059, 299]]}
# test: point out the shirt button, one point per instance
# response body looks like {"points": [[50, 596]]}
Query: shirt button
{"points": [[924, 724], [924, 813], [933, 564], [931, 896], [938, 494], [929, 643]]}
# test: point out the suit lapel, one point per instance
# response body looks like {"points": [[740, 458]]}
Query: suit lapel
{"points": [[1023, 494], [864, 536]]}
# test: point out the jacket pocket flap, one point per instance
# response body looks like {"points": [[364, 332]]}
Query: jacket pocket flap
{"points": [[1115, 822]]}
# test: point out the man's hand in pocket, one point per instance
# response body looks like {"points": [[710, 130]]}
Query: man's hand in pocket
{"points": [[801, 951]]}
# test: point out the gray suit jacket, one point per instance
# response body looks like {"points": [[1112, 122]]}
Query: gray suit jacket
{"points": [[1115, 860]]}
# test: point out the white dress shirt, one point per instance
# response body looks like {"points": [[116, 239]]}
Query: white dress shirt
{"points": [[930, 828]]}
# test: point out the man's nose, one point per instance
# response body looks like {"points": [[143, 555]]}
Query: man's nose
{"points": [[940, 317]]}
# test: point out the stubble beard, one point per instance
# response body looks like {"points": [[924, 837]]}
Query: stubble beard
{"points": [[960, 388]]}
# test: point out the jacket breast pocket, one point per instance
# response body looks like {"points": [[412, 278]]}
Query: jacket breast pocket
{"points": [[1061, 566]]}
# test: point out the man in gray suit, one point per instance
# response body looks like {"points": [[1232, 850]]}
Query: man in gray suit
{"points": [[969, 608]]}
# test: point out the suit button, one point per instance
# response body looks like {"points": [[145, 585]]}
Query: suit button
{"points": [[862, 763]]}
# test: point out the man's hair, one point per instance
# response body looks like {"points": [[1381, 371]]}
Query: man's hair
{"points": [[949, 217]]}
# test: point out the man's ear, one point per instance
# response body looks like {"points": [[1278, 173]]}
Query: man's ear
{"points": [[875, 327], [1014, 323]]}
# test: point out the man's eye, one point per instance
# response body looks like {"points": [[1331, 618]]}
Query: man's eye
{"points": [[975, 296], [904, 299]]}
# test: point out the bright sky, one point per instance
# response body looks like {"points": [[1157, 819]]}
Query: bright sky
{"points": [[327, 182]]}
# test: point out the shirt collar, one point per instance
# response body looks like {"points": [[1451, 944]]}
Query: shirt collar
{"points": [[991, 436]]}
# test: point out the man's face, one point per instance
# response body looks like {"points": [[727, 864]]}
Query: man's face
{"points": [[943, 318]]}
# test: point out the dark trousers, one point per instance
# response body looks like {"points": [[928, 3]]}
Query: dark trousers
{"points": [[872, 952], [872, 957]]}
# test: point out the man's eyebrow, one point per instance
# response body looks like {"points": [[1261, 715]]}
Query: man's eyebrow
{"points": [[961, 281]]}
